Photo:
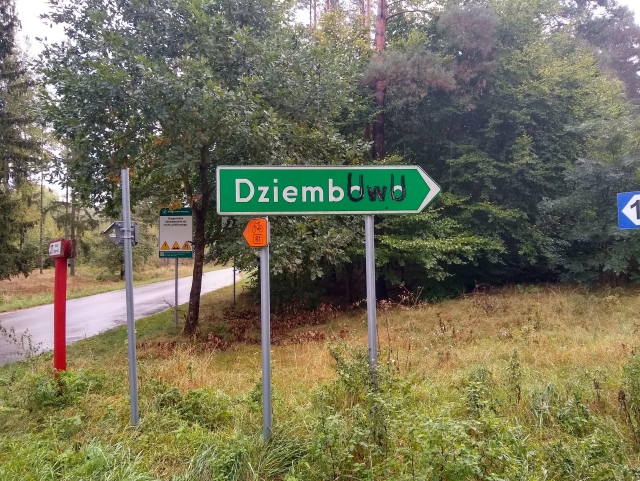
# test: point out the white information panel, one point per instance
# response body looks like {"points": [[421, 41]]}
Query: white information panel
{"points": [[176, 233]]}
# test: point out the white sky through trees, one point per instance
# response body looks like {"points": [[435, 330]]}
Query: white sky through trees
{"points": [[30, 10]]}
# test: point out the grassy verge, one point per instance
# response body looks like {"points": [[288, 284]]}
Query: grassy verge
{"points": [[37, 289], [538, 383]]}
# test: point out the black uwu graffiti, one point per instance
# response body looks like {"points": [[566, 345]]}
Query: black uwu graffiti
{"points": [[356, 192]]}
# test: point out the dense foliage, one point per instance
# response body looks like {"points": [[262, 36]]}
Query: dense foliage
{"points": [[503, 102], [18, 149]]}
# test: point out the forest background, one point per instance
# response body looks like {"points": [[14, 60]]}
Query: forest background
{"points": [[525, 112]]}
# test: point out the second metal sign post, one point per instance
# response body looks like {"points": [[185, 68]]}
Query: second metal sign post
{"points": [[318, 190], [257, 234]]}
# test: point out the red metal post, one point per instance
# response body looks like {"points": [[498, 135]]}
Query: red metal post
{"points": [[60, 315]]}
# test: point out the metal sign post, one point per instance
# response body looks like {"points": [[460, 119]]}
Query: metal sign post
{"points": [[257, 234], [128, 276], [265, 327], [175, 304], [321, 190], [370, 267]]}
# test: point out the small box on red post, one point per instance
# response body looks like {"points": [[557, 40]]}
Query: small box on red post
{"points": [[56, 248], [62, 248]]}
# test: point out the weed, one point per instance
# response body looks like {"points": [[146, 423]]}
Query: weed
{"points": [[478, 391], [574, 417], [66, 427], [596, 457], [23, 342], [205, 407], [541, 404], [632, 384], [42, 390], [514, 377]]}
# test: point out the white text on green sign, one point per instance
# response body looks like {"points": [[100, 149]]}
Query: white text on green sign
{"points": [[397, 189]]}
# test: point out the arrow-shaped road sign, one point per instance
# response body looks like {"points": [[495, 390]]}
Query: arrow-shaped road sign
{"points": [[256, 233], [388, 189], [629, 210]]}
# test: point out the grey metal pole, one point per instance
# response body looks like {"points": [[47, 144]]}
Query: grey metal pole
{"points": [[265, 318], [175, 308], [234, 283], [370, 261], [128, 276]]}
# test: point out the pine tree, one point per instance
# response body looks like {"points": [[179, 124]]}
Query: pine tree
{"points": [[17, 147]]}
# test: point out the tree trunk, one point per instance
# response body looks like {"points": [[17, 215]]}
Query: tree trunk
{"points": [[379, 151], [66, 215], [348, 269], [72, 261], [41, 221], [191, 323], [200, 208], [381, 289]]}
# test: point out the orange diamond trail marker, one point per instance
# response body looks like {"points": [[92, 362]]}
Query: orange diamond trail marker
{"points": [[257, 233], [165, 246], [175, 246], [186, 246]]}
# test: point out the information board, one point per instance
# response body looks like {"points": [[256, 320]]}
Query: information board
{"points": [[175, 233]]}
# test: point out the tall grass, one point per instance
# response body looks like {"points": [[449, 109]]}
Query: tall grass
{"points": [[518, 384]]}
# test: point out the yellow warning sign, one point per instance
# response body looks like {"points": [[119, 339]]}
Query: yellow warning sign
{"points": [[165, 246], [186, 246], [175, 246]]}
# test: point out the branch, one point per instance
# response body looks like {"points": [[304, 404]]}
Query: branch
{"points": [[401, 12], [187, 187]]}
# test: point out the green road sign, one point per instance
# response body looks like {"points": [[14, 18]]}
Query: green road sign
{"points": [[384, 189]]}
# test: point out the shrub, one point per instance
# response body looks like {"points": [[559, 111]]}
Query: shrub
{"points": [[44, 390], [207, 408]]}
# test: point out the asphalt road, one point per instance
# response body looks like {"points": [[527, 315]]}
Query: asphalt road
{"points": [[88, 316]]}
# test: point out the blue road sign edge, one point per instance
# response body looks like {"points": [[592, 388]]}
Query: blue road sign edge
{"points": [[622, 218]]}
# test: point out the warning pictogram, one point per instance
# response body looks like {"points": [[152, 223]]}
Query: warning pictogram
{"points": [[175, 246], [257, 233], [186, 246], [165, 246]]}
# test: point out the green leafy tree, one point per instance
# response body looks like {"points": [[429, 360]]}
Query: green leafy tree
{"points": [[109, 258], [311, 253], [505, 105], [582, 226], [172, 89]]}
